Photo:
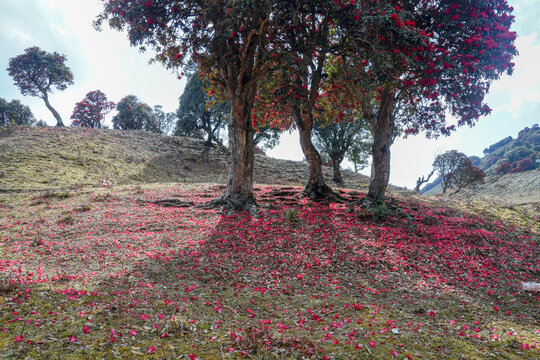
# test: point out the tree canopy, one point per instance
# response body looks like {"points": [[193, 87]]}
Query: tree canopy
{"points": [[237, 41], [91, 111], [406, 65], [425, 59], [15, 112], [134, 114], [36, 72]]}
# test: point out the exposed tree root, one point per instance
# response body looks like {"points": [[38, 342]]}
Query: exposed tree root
{"points": [[321, 192], [168, 202], [230, 204]]}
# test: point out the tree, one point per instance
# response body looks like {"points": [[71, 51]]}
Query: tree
{"points": [[504, 168], [236, 41], [90, 112], [422, 180], [456, 169], [340, 140], [195, 112], [134, 115], [447, 165], [36, 72], [292, 96], [429, 58], [15, 112], [165, 121]]}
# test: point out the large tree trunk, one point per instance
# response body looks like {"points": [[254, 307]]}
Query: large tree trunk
{"points": [[238, 195], [336, 162], [55, 113], [382, 131], [315, 189]]}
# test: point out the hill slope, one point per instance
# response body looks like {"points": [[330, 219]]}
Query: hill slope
{"points": [[44, 158], [525, 146], [105, 272], [520, 189]]}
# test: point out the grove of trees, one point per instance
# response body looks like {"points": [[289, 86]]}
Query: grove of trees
{"points": [[405, 65]]}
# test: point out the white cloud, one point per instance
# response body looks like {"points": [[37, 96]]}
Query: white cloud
{"points": [[524, 85], [60, 31]]}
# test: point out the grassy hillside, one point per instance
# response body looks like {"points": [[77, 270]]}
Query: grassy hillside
{"points": [[90, 271], [42, 158]]}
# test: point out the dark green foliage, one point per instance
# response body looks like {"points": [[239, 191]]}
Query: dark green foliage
{"points": [[497, 145], [135, 115], [518, 153], [15, 112], [345, 139], [266, 136], [36, 72], [165, 121], [196, 116]]}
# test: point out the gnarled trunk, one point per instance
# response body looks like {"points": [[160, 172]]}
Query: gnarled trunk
{"points": [[336, 162], [238, 195], [382, 131], [55, 113], [315, 189]]}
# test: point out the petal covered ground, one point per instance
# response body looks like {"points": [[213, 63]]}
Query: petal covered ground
{"points": [[106, 273]]}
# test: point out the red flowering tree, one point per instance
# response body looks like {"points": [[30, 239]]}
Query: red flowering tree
{"points": [[36, 72], [526, 164], [456, 169], [236, 41], [425, 59], [90, 112], [295, 96], [504, 168]]}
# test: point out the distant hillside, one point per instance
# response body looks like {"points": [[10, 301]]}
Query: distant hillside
{"points": [[521, 189], [40, 158], [512, 151]]}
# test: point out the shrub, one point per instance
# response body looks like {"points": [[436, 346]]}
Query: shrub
{"points": [[526, 164], [518, 153], [477, 174], [504, 168]]}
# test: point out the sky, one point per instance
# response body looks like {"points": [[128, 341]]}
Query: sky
{"points": [[105, 61]]}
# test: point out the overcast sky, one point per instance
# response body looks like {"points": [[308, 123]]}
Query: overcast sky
{"points": [[105, 61]]}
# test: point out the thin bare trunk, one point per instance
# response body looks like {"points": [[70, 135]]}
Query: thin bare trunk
{"points": [[55, 113]]}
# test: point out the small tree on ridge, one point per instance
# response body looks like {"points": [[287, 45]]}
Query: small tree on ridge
{"points": [[36, 72], [90, 112]]}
